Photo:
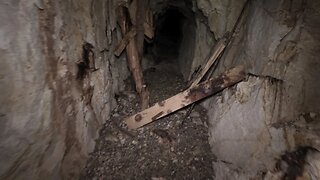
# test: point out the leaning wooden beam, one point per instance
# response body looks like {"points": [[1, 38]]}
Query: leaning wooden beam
{"points": [[186, 97], [124, 42], [148, 31], [219, 47]]}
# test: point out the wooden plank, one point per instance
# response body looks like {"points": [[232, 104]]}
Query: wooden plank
{"points": [[218, 49], [124, 42], [186, 97]]}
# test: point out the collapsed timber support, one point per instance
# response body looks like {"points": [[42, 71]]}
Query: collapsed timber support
{"points": [[186, 97]]}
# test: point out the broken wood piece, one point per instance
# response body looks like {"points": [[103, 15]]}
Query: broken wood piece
{"points": [[133, 58], [219, 47], [124, 42], [148, 30], [186, 97]]}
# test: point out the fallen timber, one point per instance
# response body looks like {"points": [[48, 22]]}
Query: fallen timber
{"points": [[187, 97]]}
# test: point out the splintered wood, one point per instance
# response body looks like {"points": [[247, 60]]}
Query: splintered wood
{"points": [[186, 97]]}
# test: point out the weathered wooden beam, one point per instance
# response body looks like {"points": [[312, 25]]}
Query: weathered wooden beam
{"points": [[133, 58], [218, 49], [124, 42], [148, 30], [186, 97]]}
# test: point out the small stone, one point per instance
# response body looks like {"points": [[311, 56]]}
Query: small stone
{"points": [[172, 149], [131, 96], [313, 115], [134, 142], [197, 122], [195, 114], [116, 115], [157, 178], [111, 137], [122, 141]]}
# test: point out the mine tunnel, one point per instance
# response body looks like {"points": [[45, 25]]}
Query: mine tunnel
{"points": [[169, 34], [174, 40], [160, 89]]}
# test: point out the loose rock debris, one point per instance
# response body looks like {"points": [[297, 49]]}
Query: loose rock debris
{"points": [[161, 150]]}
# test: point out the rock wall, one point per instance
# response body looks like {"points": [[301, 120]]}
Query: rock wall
{"points": [[221, 14], [49, 115], [213, 19], [277, 108]]}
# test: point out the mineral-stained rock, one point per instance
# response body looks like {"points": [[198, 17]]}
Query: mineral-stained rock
{"points": [[49, 119]]}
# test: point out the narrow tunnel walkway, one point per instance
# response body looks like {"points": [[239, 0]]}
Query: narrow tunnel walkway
{"points": [[173, 147]]}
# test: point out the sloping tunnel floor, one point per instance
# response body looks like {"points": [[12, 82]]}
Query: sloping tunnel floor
{"points": [[173, 147]]}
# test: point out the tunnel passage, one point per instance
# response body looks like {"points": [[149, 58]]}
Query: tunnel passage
{"points": [[174, 39], [169, 34]]}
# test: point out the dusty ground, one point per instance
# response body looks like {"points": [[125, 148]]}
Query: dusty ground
{"points": [[175, 147]]}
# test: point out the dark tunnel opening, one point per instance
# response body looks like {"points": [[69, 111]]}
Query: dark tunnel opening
{"points": [[174, 40], [172, 28], [169, 34]]}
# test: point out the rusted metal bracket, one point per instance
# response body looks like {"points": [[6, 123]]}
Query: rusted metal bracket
{"points": [[187, 97]]}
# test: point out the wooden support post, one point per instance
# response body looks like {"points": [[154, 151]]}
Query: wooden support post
{"points": [[186, 97], [133, 58]]}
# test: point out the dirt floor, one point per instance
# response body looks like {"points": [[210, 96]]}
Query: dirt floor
{"points": [[175, 147]]}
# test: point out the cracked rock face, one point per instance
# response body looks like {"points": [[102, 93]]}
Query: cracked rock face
{"points": [[259, 120], [242, 132], [49, 118]]}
